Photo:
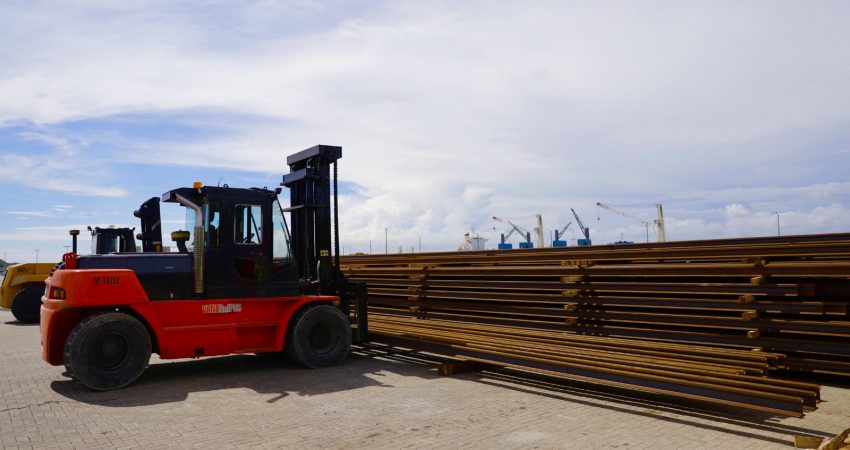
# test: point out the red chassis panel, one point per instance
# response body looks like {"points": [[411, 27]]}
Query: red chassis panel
{"points": [[179, 328]]}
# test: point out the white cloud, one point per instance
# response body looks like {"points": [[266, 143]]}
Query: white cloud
{"points": [[31, 213], [47, 172], [451, 113], [736, 210]]}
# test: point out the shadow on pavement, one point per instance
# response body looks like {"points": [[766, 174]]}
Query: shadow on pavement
{"points": [[168, 382], [21, 324]]}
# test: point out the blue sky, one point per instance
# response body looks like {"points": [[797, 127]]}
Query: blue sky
{"points": [[448, 113]]}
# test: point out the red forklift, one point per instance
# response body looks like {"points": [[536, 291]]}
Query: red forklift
{"points": [[241, 283]]}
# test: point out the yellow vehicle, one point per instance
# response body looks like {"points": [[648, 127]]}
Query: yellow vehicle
{"points": [[22, 289]]}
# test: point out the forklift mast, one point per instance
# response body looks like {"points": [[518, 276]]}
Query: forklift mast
{"points": [[309, 183], [151, 235], [310, 208]]}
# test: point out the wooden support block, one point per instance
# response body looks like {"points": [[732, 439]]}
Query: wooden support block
{"points": [[807, 442], [414, 298], [746, 298], [750, 315], [579, 263], [572, 293], [839, 442], [418, 277], [757, 262], [571, 321], [759, 280], [752, 334], [574, 279], [415, 309], [453, 368], [571, 307]]}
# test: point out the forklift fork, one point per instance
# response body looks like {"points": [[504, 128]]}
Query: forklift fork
{"points": [[354, 304]]}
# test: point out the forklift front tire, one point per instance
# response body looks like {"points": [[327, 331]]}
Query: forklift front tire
{"points": [[318, 336], [26, 305], [107, 351]]}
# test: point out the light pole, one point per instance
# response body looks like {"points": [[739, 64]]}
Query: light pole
{"points": [[386, 241], [777, 223], [420, 244], [36, 255]]}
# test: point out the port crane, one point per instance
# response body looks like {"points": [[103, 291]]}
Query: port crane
{"points": [[538, 232], [657, 225], [584, 230], [558, 242]]}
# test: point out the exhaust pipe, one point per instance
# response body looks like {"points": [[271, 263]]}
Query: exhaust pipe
{"points": [[199, 243], [74, 234]]}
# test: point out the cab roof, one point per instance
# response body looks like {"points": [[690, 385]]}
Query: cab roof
{"points": [[217, 192]]}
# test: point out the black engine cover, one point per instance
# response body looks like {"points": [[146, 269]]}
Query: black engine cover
{"points": [[164, 276]]}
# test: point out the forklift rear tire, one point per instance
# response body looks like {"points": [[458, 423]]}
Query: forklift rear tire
{"points": [[318, 336], [26, 305], [107, 351]]}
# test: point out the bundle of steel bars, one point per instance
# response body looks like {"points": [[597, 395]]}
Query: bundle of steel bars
{"points": [[786, 295], [727, 377]]}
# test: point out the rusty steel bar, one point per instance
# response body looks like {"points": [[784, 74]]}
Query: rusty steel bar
{"points": [[674, 375], [785, 294]]}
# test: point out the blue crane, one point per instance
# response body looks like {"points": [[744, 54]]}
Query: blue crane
{"points": [[584, 230], [504, 245], [558, 242]]}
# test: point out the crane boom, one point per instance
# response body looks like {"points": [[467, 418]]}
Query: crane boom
{"points": [[564, 230], [558, 242], [657, 225], [584, 230], [617, 211], [514, 228]]}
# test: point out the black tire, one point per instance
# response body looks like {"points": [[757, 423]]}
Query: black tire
{"points": [[107, 351], [318, 336], [26, 305]]}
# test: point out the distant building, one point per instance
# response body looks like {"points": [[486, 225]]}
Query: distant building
{"points": [[472, 243]]}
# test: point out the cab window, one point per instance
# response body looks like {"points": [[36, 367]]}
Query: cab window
{"points": [[248, 224], [212, 213], [281, 248]]}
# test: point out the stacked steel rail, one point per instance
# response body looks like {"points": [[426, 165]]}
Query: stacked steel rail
{"points": [[785, 295], [727, 377]]}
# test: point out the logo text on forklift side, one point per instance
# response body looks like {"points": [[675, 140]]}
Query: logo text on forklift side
{"points": [[106, 280], [219, 308]]}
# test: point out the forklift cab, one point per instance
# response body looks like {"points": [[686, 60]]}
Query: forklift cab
{"points": [[246, 242], [241, 244], [112, 240]]}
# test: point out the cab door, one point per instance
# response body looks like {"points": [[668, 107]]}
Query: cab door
{"points": [[237, 262], [250, 260]]}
